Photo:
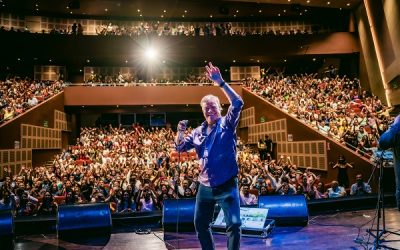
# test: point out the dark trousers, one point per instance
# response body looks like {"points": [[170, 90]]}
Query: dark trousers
{"points": [[397, 176], [227, 197]]}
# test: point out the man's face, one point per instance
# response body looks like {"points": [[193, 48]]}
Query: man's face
{"points": [[245, 190], [211, 112]]}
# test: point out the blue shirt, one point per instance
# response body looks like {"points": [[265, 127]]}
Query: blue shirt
{"points": [[217, 150], [391, 139]]}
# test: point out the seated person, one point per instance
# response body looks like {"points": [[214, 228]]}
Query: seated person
{"points": [[336, 191], [360, 187]]}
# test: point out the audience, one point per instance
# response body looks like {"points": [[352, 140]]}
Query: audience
{"points": [[136, 169], [130, 80], [334, 106], [18, 95], [208, 29]]}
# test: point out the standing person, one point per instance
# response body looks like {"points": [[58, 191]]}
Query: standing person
{"points": [[391, 139], [269, 147], [262, 149], [342, 166], [215, 144]]}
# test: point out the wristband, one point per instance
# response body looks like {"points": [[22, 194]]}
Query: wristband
{"points": [[222, 84]]}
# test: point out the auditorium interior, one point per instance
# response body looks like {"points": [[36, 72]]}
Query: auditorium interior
{"points": [[92, 91]]}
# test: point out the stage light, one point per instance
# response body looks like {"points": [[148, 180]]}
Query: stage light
{"points": [[150, 54]]}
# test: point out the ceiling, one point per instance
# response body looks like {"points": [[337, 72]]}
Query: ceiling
{"points": [[178, 9]]}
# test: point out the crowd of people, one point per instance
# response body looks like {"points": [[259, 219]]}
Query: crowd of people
{"points": [[137, 169], [198, 29], [134, 80], [18, 95], [207, 29], [335, 106]]}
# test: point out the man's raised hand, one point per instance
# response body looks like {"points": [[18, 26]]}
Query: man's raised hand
{"points": [[214, 74]]}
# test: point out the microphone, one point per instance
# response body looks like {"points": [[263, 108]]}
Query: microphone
{"points": [[183, 123], [186, 122], [181, 131]]}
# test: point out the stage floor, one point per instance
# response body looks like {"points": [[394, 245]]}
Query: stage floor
{"points": [[332, 231]]}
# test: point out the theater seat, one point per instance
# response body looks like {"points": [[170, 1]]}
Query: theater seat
{"points": [[192, 155]]}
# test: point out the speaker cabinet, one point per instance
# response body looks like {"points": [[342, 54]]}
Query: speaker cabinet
{"points": [[178, 215], [285, 209], [6, 229], [84, 220]]}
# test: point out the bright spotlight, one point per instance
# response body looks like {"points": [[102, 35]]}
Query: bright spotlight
{"points": [[150, 54]]}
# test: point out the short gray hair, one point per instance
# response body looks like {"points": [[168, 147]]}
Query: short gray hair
{"points": [[210, 98]]}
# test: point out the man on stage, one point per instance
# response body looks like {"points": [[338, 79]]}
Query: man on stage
{"points": [[215, 145], [391, 139]]}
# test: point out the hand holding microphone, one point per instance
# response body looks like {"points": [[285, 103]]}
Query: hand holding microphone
{"points": [[182, 125]]}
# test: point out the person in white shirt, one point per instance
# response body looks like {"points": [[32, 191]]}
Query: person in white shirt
{"points": [[336, 191], [246, 198], [32, 101]]}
